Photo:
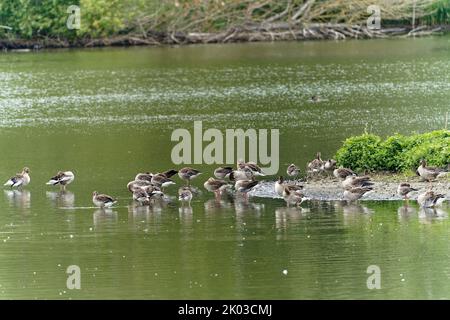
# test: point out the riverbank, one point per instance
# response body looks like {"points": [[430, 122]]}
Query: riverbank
{"points": [[88, 23], [246, 33], [384, 188]]}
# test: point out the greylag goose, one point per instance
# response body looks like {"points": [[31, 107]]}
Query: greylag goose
{"points": [[245, 186], [329, 165], [223, 172], [63, 178], [138, 183], [404, 189], [20, 179], [314, 99], [161, 181], [188, 174], [280, 185], [342, 173], [146, 194], [169, 173], [152, 189], [294, 197], [102, 200], [147, 176], [242, 174], [141, 196], [252, 166], [353, 194], [429, 199], [316, 165], [216, 186], [292, 170], [355, 182], [185, 195], [429, 173]]}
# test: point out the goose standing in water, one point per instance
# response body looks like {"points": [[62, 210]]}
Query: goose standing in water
{"points": [[353, 194], [20, 179], [188, 174], [216, 186], [169, 173], [161, 181], [63, 178], [314, 99], [429, 199], [185, 196], [146, 194], [245, 186], [146, 176], [138, 183], [430, 173], [294, 197], [293, 170], [404, 189], [149, 176], [280, 185], [141, 196], [103, 200], [223, 172]]}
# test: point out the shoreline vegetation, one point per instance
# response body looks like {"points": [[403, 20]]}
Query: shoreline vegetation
{"points": [[388, 161], [43, 24], [397, 154]]}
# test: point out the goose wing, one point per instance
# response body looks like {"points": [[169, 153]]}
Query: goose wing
{"points": [[105, 198]]}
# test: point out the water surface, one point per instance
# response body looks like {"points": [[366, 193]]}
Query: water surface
{"points": [[108, 113]]}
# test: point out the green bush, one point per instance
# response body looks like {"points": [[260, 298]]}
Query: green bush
{"points": [[433, 146], [360, 152], [397, 153], [391, 152]]}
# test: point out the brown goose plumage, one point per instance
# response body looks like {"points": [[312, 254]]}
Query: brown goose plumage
{"points": [[429, 173], [342, 173], [188, 174], [404, 189], [353, 194]]}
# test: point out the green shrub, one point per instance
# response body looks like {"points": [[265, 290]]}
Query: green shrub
{"points": [[360, 153], [391, 152], [397, 153], [433, 146]]}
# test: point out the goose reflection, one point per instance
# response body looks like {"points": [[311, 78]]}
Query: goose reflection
{"points": [[352, 208], [214, 205], [405, 211], [246, 206], [137, 211], [64, 199], [426, 215], [285, 215], [104, 216], [185, 211], [18, 198]]}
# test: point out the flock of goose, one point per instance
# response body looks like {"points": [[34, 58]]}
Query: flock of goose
{"points": [[147, 187]]}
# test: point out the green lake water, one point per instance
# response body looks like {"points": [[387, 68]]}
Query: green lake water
{"points": [[107, 114]]}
